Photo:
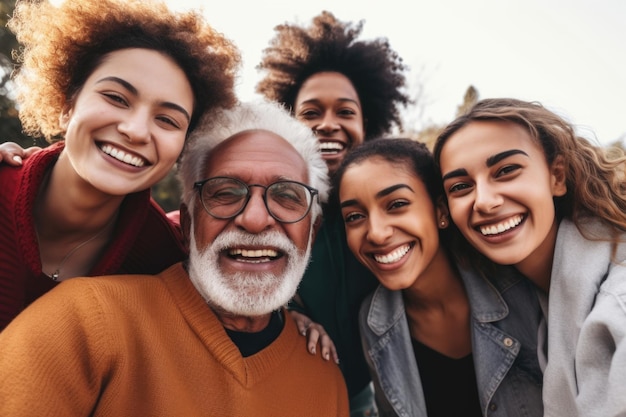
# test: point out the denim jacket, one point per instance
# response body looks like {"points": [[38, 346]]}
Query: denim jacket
{"points": [[504, 348]]}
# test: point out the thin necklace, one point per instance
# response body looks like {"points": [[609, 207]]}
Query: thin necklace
{"points": [[55, 275]]}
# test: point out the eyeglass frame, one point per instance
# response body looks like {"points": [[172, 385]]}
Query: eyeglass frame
{"points": [[198, 185]]}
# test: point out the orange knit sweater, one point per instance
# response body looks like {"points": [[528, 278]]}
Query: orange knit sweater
{"points": [[140, 345]]}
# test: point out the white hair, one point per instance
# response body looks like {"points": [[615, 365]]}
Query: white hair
{"points": [[214, 128]]}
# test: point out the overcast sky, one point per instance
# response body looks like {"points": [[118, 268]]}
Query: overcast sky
{"points": [[570, 55]]}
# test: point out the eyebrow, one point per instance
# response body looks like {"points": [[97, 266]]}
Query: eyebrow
{"points": [[382, 193], [128, 86], [491, 161], [461, 172], [341, 99]]}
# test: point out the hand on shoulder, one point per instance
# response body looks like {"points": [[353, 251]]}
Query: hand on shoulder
{"points": [[13, 154]]}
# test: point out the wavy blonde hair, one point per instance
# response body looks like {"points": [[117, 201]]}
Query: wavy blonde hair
{"points": [[62, 45]]}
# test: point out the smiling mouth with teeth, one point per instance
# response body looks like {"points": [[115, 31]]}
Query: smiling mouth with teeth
{"points": [[393, 256], [122, 156], [496, 229], [331, 147], [254, 255]]}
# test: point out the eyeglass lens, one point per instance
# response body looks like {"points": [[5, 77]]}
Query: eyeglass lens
{"points": [[286, 201]]}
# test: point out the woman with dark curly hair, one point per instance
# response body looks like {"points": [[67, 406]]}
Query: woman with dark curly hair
{"points": [[347, 90], [117, 85], [301, 62]]}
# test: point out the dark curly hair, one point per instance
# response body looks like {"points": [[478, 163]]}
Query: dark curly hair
{"points": [[375, 70], [412, 155], [62, 45]]}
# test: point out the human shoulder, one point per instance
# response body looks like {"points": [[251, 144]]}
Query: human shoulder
{"points": [[72, 314], [85, 293], [32, 171], [615, 283], [147, 241], [292, 344]]}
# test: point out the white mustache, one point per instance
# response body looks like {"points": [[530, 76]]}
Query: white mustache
{"points": [[237, 238]]}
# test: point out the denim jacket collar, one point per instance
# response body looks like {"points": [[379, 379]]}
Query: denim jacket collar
{"points": [[487, 302], [488, 306], [387, 308]]}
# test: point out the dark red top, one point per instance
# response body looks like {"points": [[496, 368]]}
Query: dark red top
{"points": [[146, 241]]}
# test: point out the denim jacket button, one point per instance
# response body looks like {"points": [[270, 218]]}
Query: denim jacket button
{"points": [[508, 342]]}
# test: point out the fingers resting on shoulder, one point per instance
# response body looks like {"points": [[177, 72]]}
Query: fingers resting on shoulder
{"points": [[315, 333], [13, 154]]}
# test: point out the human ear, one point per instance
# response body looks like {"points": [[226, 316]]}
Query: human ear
{"points": [[64, 117], [442, 213], [558, 176]]}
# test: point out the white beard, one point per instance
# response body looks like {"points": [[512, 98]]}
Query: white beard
{"points": [[246, 293]]}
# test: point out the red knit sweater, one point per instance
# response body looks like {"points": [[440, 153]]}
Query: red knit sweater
{"points": [[138, 345], [145, 240]]}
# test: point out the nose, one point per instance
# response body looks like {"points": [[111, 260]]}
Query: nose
{"points": [[378, 229], [328, 124], [487, 198], [135, 127], [255, 218]]}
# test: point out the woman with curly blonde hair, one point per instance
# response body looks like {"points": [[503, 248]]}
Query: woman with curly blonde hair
{"points": [[526, 191], [117, 85], [347, 90]]}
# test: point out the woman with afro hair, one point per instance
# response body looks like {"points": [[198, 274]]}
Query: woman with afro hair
{"points": [[347, 91], [117, 85]]}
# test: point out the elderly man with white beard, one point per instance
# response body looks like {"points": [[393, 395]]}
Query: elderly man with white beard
{"points": [[206, 337]]}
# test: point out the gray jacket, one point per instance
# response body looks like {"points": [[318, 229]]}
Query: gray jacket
{"points": [[586, 370], [504, 348]]}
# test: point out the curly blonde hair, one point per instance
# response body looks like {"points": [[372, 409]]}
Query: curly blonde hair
{"points": [[376, 71], [595, 176], [62, 45]]}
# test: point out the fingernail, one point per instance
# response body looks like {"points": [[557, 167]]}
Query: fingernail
{"points": [[313, 350], [326, 356], [17, 159]]}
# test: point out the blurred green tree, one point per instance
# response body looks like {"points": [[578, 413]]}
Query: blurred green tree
{"points": [[10, 126]]}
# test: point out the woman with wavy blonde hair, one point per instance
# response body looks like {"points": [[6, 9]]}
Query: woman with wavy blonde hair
{"points": [[117, 85], [525, 190]]}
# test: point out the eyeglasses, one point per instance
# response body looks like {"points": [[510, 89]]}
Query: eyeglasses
{"points": [[286, 201]]}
